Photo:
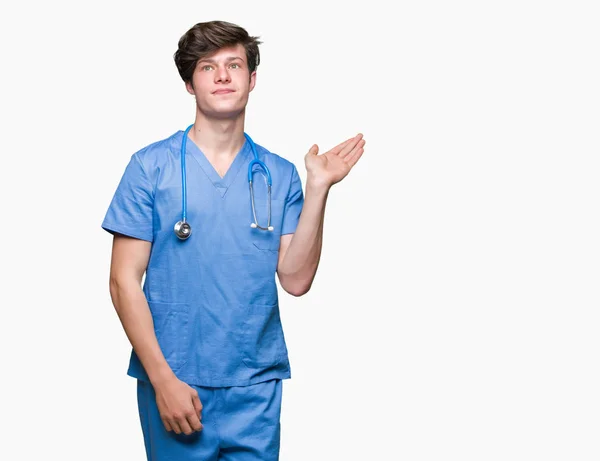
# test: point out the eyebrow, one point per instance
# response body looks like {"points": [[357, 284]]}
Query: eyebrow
{"points": [[212, 61]]}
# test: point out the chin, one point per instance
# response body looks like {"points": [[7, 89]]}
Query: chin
{"points": [[224, 111], [222, 114]]}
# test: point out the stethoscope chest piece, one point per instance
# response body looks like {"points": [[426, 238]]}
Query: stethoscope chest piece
{"points": [[183, 230]]}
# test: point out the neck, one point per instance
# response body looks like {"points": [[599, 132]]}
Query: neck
{"points": [[218, 138]]}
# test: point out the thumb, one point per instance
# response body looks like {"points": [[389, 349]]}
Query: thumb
{"points": [[314, 150]]}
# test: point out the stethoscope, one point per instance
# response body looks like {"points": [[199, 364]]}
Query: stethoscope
{"points": [[183, 230]]}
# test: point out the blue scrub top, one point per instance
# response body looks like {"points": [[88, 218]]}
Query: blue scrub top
{"points": [[213, 297]]}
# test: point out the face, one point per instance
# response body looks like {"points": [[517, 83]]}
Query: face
{"points": [[222, 83]]}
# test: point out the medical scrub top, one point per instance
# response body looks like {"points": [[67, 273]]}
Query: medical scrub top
{"points": [[213, 297]]}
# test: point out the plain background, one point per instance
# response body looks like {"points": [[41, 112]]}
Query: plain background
{"points": [[455, 313]]}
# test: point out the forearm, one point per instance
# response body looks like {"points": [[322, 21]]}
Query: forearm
{"points": [[134, 313], [301, 260]]}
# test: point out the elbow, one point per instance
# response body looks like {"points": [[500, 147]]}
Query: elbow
{"points": [[121, 287], [116, 285], [296, 289], [297, 293], [295, 282], [115, 288]]}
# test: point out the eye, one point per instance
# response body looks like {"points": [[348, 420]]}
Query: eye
{"points": [[206, 68], [235, 65]]}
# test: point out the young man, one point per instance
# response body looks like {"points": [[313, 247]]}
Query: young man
{"points": [[208, 349]]}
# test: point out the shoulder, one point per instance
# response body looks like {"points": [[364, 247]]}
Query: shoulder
{"points": [[284, 172], [155, 154], [274, 160]]}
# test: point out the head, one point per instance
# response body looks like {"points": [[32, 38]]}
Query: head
{"points": [[217, 60]]}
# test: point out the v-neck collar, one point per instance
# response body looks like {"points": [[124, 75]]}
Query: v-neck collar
{"points": [[220, 184]]}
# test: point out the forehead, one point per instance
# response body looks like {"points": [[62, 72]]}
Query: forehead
{"points": [[226, 54]]}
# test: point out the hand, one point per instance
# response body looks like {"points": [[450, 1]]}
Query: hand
{"points": [[333, 166], [179, 406]]}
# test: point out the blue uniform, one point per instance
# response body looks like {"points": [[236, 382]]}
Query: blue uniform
{"points": [[240, 423], [213, 297]]}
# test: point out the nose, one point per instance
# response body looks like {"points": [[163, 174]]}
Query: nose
{"points": [[222, 75]]}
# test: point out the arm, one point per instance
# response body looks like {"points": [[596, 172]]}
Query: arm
{"points": [[179, 405], [300, 253], [129, 261]]}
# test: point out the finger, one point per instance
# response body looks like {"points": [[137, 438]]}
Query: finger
{"points": [[185, 426], [337, 149], [351, 145], [194, 422], [167, 425], [313, 150], [355, 157], [359, 145], [175, 426], [197, 405]]}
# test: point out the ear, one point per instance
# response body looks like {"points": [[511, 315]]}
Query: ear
{"points": [[252, 81], [189, 87]]}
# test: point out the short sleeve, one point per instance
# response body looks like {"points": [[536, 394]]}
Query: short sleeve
{"points": [[293, 204], [131, 208]]}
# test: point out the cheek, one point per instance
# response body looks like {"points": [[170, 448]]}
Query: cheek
{"points": [[201, 84], [242, 81]]}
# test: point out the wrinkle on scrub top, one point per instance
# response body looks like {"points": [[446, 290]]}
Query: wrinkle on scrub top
{"points": [[213, 297]]}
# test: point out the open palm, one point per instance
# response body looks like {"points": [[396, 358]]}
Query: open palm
{"points": [[334, 165]]}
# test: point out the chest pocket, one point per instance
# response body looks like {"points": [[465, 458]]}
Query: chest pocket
{"points": [[265, 240]]}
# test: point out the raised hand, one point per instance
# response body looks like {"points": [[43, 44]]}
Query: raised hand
{"points": [[334, 165]]}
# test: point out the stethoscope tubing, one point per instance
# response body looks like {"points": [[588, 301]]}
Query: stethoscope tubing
{"points": [[183, 174], [183, 223]]}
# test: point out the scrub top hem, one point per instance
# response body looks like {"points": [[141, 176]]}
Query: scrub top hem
{"points": [[193, 380]]}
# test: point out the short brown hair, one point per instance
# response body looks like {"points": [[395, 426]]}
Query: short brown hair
{"points": [[208, 37]]}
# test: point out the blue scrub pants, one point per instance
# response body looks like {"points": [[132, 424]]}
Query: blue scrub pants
{"points": [[240, 424]]}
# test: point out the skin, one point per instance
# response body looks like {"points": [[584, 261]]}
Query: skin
{"points": [[221, 86]]}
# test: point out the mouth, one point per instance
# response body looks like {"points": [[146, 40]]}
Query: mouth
{"points": [[223, 91]]}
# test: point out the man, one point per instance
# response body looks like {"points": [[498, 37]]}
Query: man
{"points": [[208, 349]]}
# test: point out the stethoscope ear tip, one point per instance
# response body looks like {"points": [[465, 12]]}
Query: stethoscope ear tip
{"points": [[254, 226]]}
